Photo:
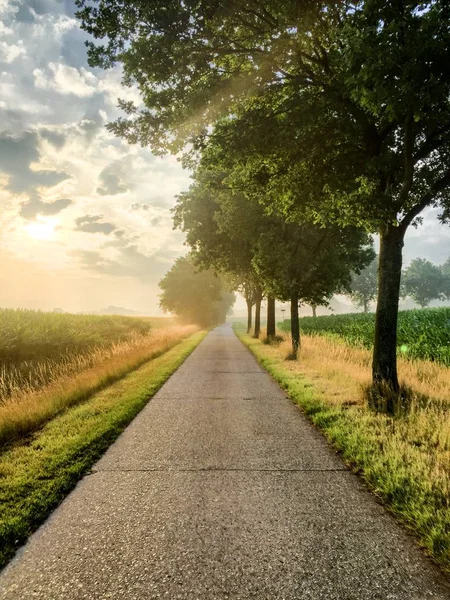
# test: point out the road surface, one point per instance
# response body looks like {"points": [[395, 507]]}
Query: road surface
{"points": [[221, 489]]}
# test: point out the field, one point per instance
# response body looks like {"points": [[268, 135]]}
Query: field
{"points": [[49, 361], [422, 334], [36, 347]]}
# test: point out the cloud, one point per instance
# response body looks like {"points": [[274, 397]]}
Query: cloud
{"points": [[66, 80], [9, 52], [56, 138], [94, 224], [130, 262], [139, 206], [17, 153], [113, 178], [29, 210]]}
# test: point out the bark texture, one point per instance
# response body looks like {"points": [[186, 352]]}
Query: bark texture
{"points": [[249, 315], [258, 300], [384, 365], [295, 326], [270, 316]]}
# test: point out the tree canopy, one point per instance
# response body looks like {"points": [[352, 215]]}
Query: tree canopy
{"points": [[291, 261], [364, 285]]}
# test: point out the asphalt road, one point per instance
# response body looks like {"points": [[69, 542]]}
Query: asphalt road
{"points": [[221, 489]]}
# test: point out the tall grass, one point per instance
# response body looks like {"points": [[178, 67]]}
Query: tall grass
{"points": [[75, 379], [35, 335], [36, 347]]}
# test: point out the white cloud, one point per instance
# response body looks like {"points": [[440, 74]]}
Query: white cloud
{"points": [[9, 52], [66, 80], [7, 8]]}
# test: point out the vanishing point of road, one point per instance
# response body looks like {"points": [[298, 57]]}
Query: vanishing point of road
{"points": [[221, 489]]}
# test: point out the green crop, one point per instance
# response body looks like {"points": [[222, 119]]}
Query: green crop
{"points": [[421, 334]]}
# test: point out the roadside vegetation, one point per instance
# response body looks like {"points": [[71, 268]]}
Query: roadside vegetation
{"points": [[422, 334], [38, 471], [74, 379], [405, 459]]}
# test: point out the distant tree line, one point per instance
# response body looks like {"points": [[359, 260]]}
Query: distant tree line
{"points": [[422, 281], [308, 125], [195, 296]]}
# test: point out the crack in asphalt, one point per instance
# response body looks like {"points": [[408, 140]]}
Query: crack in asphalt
{"points": [[216, 470]]}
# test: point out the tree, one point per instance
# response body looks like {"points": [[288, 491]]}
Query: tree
{"points": [[423, 282], [308, 264], [195, 296], [352, 99], [293, 262], [223, 229], [271, 324], [363, 289]]}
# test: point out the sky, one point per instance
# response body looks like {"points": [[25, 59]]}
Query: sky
{"points": [[85, 218]]}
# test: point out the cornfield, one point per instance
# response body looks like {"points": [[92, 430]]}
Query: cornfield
{"points": [[37, 347], [422, 334]]}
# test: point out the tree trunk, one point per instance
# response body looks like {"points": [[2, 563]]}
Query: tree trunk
{"points": [[270, 316], [295, 327], [366, 305], [249, 315], [314, 309], [258, 298], [384, 365]]}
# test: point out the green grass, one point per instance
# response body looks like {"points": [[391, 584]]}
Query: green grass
{"points": [[37, 473], [422, 333], [403, 460]]}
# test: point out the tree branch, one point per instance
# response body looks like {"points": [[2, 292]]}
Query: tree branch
{"points": [[426, 200], [409, 160]]}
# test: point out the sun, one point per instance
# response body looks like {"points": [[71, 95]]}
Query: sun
{"points": [[41, 230]]}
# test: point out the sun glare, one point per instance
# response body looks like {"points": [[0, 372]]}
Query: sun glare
{"points": [[40, 230]]}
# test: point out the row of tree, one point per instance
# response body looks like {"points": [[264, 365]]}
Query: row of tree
{"points": [[325, 121], [264, 255], [422, 281]]}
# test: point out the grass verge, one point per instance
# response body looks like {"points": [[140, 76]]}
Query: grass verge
{"points": [[37, 473], [404, 460]]}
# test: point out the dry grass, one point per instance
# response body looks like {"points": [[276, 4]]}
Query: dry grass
{"points": [[342, 371], [75, 380]]}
